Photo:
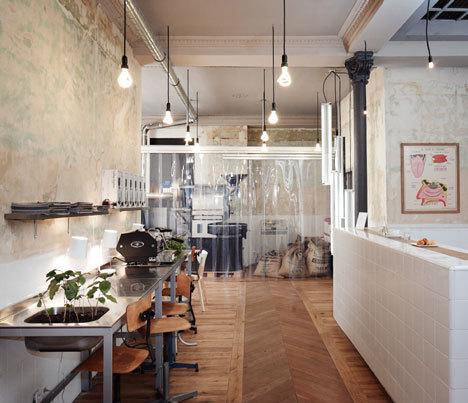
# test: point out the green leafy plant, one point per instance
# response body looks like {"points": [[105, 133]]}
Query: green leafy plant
{"points": [[71, 283], [174, 245], [99, 289]]}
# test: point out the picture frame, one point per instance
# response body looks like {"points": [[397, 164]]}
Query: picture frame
{"points": [[430, 178]]}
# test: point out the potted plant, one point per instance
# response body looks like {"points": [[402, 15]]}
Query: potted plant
{"points": [[80, 303]]}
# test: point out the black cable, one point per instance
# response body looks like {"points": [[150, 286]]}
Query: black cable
{"points": [[284, 27], [318, 136], [188, 96], [273, 60], [427, 32], [125, 27], [263, 104], [168, 64]]}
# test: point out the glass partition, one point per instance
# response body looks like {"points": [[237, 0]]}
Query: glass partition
{"points": [[247, 211]]}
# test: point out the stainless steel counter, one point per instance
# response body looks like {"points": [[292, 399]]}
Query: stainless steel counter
{"points": [[128, 285]]}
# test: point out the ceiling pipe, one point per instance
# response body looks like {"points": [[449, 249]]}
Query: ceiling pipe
{"points": [[139, 24]]}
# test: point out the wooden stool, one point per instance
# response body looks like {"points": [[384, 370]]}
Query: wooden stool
{"points": [[166, 326], [124, 359]]}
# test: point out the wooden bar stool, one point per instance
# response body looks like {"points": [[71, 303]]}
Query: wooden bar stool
{"points": [[124, 359], [184, 288], [167, 326], [198, 278]]}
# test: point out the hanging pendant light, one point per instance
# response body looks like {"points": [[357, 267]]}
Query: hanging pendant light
{"points": [[273, 118], [125, 79], [197, 140], [264, 136], [430, 63], [188, 137], [168, 117], [284, 79]]}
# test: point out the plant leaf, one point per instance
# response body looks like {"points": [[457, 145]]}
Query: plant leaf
{"points": [[39, 303], [110, 298], [51, 274], [81, 279], [91, 292], [53, 291], [71, 290], [105, 286], [102, 300]]}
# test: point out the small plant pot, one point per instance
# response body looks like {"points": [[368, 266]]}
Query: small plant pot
{"points": [[80, 315]]}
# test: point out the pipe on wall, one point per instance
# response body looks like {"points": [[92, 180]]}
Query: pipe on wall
{"points": [[136, 19]]}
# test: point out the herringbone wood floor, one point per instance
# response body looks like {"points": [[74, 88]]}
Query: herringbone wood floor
{"points": [[264, 341]]}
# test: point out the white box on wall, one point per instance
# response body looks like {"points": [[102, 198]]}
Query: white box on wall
{"points": [[110, 185]]}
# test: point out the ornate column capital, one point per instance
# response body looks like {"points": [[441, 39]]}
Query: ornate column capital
{"points": [[359, 66]]}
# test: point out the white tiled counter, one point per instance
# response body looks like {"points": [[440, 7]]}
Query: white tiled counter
{"points": [[406, 310]]}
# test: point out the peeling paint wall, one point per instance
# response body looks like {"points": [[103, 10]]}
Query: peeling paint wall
{"points": [[63, 119], [420, 105], [376, 156]]}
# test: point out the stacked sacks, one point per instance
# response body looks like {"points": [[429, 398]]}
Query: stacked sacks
{"points": [[293, 263], [318, 257], [269, 264]]}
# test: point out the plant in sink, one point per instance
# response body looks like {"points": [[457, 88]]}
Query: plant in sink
{"points": [[74, 294]]}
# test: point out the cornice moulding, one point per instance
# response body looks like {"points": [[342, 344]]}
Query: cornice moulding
{"points": [[360, 15]]}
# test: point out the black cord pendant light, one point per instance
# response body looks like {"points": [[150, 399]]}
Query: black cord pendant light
{"points": [[284, 79], [168, 117], [264, 136], [273, 118], [188, 137], [430, 63], [197, 139], [125, 79]]}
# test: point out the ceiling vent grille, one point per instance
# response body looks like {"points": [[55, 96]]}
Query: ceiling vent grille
{"points": [[449, 10]]}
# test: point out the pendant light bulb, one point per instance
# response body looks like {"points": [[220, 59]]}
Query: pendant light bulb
{"points": [[265, 136], [273, 118], [197, 145], [168, 117], [430, 63], [285, 78], [318, 147], [188, 137], [264, 146], [125, 79]]}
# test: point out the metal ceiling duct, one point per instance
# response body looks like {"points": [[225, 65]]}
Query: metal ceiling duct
{"points": [[136, 19]]}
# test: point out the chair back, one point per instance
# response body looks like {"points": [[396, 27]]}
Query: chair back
{"points": [[134, 310], [183, 285], [201, 262]]}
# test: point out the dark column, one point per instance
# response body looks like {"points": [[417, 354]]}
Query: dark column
{"points": [[359, 67]]}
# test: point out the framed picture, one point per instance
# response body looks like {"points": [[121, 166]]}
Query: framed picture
{"points": [[430, 178]]}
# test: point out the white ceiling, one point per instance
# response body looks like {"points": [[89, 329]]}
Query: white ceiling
{"points": [[245, 17], [236, 91]]}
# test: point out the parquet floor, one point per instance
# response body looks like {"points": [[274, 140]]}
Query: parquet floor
{"points": [[264, 341]]}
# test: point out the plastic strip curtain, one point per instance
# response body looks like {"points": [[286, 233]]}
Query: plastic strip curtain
{"points": [[281, 202]]}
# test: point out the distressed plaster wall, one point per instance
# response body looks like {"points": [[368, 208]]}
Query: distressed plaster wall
{"points": [[376, 156], [63, 119], [423, 105], [410, 105]]}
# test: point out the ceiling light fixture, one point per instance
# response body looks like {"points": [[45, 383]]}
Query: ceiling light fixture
{"points": [[273, 118], [430, 63], [284, 79], [197, 139], [188, 137], [264, 136], [168, 117], [125, 79]]}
